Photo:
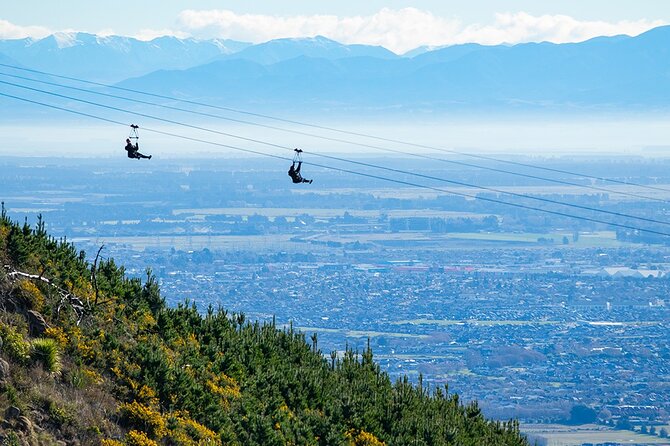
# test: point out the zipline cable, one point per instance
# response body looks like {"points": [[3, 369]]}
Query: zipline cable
{"points": [[335, 158], [347, 132], [386, 149], [353, 172]]}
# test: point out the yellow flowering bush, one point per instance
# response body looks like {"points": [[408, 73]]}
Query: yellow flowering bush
{"points": [[91, 376], [145, 320], [32, 295], [188, 432], [138, 438], [147, 396], [58, 335], [138, 415], [357, 437], [199, 432]]}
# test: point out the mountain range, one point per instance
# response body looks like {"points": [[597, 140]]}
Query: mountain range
{"points": [[318, 74], [113, 58]]}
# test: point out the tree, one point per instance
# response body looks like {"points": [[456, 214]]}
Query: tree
{"points": [[624, 424], [605, 415], [581, 414]]}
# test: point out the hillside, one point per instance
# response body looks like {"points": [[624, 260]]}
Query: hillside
{"points": [[90, 356]]}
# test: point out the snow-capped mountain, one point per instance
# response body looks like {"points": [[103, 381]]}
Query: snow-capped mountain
{"points": [[113, 58]]}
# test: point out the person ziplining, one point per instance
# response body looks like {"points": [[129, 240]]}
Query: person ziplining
{"points": [[294, 172], [134, 149], [296, 177]]}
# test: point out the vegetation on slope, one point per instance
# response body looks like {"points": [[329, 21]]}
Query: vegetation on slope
{"points": [[90, 356]]}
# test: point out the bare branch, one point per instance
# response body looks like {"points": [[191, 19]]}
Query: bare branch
{"points": [[66, 296], [93, 278]]}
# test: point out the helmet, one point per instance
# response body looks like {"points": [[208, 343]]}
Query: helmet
{"points": [[127, 139]]}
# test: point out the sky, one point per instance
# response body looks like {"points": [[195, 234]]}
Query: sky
{"points": [[397, 25]]}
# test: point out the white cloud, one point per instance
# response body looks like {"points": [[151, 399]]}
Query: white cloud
{"points": [[399, 30], [522, 27], [403, 29], [10, 31]]}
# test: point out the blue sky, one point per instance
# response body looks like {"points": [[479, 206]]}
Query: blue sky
{"points": [[398, 25]]}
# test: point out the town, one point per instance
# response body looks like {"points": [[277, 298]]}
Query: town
{"points": [[530, 315]]}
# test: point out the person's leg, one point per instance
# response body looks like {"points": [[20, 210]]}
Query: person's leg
{"points": [[299, 165]]}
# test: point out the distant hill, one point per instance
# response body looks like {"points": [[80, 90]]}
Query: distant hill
{"points": [[89, 356], [318, 74], [113, 58], [604, 73], [8, 60], [423, 56], [318, 47]]}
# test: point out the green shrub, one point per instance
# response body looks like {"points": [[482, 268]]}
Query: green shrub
{"points": [[59, 414], [13, 343], [46, 351], [11, 394], [11, 440]]}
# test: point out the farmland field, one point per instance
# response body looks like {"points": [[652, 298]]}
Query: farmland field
{"points": [[197, 242], [662, 191], [405, 239], [560, 435], [322, 212]]}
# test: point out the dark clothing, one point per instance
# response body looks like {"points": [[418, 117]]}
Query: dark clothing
{"points": [[295, 174], [133, 152]]}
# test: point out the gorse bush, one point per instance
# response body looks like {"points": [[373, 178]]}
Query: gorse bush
{"points": [[139, 438], [31, 295], [144, 418]]}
